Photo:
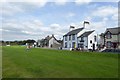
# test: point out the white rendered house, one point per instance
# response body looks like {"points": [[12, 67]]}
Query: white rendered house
{"points": [[70, 39], [80, 38]]}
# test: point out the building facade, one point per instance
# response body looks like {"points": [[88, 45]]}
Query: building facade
{"points": [[112, 38], [54, 43], [80, 38], [88, 40]]}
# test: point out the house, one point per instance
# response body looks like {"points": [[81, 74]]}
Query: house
{"points": [[88, 40], [43, 42], [111, 38], [70, 39], [54, 43], [50, 42], [80, 38]]}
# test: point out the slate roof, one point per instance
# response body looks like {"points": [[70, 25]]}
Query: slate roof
{"points": [[113, 30], [75, 31], [85, 34]]}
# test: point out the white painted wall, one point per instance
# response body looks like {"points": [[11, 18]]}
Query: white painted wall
{"points": [[67, 41], [52, 41], [85, 42], [64, 42], [91, 37], [70, 42], [77, 40]]}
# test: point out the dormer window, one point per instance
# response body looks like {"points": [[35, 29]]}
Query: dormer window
{"points": [[108, 35]]}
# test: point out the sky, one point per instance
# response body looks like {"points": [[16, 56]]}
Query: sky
{"points": [[37, 19]]}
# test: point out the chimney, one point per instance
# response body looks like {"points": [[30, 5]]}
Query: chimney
{"points": [[72, 28], [52, 35]]}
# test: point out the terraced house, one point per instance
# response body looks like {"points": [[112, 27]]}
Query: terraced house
{"points": [[80, 38]]}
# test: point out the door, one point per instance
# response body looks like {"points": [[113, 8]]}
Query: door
{"points": [[114, 45], [93, 47]]}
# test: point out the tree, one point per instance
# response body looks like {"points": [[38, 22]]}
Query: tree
{"points": [[30, 41]]}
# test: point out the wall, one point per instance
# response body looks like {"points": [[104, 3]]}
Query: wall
{"points": [[85, 42], [51, 42], [119, 41], [54, 43], [70, 42], [91, 37], [113, 39]]}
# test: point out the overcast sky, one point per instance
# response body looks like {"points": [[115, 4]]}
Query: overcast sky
{"points": [[35, 20]]}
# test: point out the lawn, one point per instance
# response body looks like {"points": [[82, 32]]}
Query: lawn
{"points": [[47, 63]]}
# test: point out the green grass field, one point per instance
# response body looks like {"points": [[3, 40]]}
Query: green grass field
{"points": [[45, 63]]}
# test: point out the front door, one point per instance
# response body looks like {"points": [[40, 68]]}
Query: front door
{"points": [[114, 45], [93, 47]]}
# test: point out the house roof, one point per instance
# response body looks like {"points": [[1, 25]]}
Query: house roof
{"points": [[59, 41], [47, 38], [75, 31], [85, 34], [115, 30]]}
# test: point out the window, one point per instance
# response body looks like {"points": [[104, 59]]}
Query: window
{"points": [[78, 45], [65, 44], [108, 44], [73, 37], [91, 41], [108, 35], [65, 38], [69, 37], [95, 38], [73, 44], [82, 39], [81, 46]]}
